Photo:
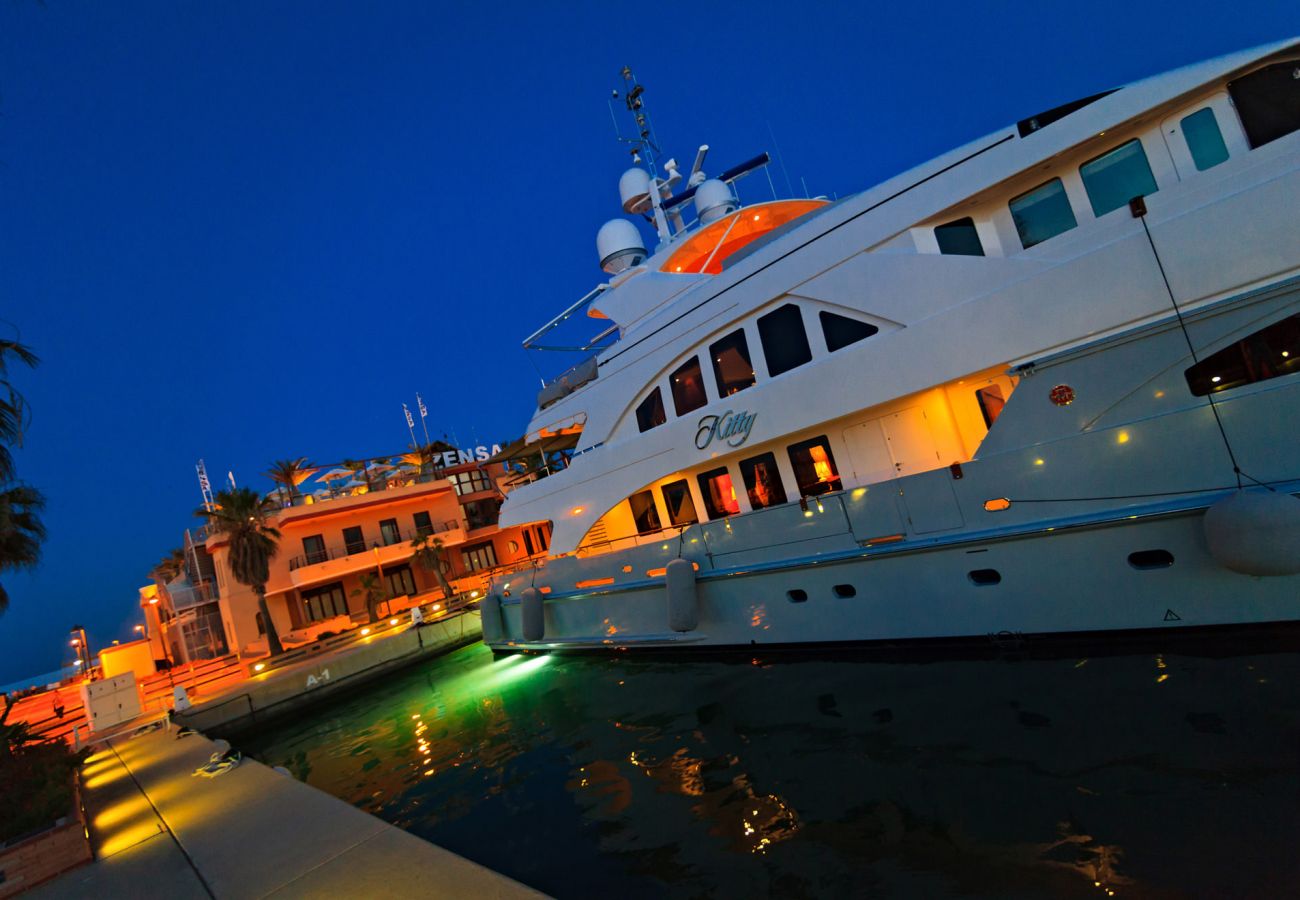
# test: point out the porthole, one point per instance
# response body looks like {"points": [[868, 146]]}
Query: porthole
{"points": [[844, 591], [983, 577], [797, 596], [1151, 559]]}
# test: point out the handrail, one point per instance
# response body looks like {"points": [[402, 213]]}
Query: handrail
{"points": [[561, 319], [336, 551]]}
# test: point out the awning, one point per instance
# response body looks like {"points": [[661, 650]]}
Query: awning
{"points": [[545, 443]]}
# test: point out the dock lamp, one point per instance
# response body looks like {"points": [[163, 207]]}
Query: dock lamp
{"points": [[82, 647]]}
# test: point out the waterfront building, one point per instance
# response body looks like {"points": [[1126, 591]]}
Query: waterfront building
{"points": [[336, 543]]}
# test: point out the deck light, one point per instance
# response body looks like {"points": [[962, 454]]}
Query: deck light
{"points": [[365, 631], [257, 667]]}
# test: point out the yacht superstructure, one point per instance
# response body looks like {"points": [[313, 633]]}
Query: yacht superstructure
{"points": [[995, 394]]}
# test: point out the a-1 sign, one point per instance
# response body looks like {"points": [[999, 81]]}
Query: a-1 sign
{"points": [[468, 455]]}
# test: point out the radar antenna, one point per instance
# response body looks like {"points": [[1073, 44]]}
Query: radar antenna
{"points": [[645, 142]]}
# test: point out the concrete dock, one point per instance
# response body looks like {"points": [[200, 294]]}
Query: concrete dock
{"points": [[159, 830]]}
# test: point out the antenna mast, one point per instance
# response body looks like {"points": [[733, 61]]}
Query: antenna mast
{"points": [[645, 142]]}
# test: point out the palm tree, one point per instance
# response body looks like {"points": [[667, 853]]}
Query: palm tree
{"points": [[241, 516], [431, 556], [358, 467], [374, 593], [12, 407], [427, 456], [21, 531], [289, 473], [169, 566]]}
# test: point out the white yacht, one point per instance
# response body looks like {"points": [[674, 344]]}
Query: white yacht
{"points": [[1047, 384]]}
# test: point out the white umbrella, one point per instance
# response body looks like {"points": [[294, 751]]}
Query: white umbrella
{"points": [[334, 473]]}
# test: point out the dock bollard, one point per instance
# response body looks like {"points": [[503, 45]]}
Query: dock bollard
{"points": [[530, 605]]}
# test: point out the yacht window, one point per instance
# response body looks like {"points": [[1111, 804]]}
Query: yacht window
{"points": [[840, 331], [731, 366], [719, 493], [688, 387], [959, 238], [1042, 213], [681, 508], [1268, 102], [644, 512], [762, 481], [785, 343], [528, 543], [650, 413], [1115, 178], [1269, 353], [991, 402], [1204, 139], [814, 467]]}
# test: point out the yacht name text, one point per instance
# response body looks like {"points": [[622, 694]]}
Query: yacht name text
{"points": [[731, 427]]}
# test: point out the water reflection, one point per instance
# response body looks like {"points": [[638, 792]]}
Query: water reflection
{"points": [[1152, 775]]}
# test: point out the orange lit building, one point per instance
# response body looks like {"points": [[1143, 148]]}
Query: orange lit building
{"points": [[330, 541]]}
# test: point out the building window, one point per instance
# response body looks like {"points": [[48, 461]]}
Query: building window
{"points": [[325, 602], [762, 481], [423, 524], [719, 493], [677, 499], [401, 583], [814, 467], [313, 549], [1268, 102], [959, 238], [477, 557], [528, 542], [687, 384], [840, 331], [482, 513], [1204, 139], [991, 402], [353, 540], [1269, 353], [785, 343], [470, 482], [650, 412], [644, 513], [731, 366], [389, 533], [1042, 213], [1115, 178]]}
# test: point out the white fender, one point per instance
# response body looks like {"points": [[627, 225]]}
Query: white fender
{"points": [[490, 614], [530, 605], [683, 599], [1255, 532]]}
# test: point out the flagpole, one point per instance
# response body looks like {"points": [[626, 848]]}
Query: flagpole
{"points": [[424, 415], [410, 424]]}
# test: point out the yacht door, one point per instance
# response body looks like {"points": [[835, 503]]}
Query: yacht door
{"points": [[911, 443], [868, 453]]}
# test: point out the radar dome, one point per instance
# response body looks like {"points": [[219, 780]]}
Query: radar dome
{"points": [[619, 246], [634, 190], [713, 200]]}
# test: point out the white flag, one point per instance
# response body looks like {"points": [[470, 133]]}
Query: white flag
{"points": [[410, 423], [423, 412]]}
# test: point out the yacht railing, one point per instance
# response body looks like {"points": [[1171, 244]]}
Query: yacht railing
{"points": [[530, 342]]}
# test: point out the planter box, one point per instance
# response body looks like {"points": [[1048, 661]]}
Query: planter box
{"points": [[41, 856]]}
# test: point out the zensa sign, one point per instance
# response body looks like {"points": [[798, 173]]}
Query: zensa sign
{"points": [[732, 428]]}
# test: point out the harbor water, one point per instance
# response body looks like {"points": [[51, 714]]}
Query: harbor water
{"points": [[1143, 775]]}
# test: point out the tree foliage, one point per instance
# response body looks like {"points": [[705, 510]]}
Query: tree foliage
{"points": [[241, 516]]}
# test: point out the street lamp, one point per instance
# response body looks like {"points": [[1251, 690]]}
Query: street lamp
{"points": [[82, 647]]}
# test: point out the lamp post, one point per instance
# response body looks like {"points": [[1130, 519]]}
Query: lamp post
{"points": [[80, 644]]}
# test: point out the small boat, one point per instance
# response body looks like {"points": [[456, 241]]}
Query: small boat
{"points": [[1046, 384]]}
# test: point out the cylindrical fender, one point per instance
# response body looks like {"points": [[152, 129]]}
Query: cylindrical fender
{"points": [[530, 606], [490, 614], [683, 598]]}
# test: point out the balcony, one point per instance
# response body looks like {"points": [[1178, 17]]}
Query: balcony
{"points": [[333, 562], [187, 597]]}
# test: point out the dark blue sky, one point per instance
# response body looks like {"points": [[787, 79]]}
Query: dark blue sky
{"points": [[247, 231]]}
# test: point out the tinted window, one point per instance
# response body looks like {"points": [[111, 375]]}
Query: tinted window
{"points": [[323, 602], [959, 238], [1204, 139], [762, 481], [389, 533], [644, 513], [719, 493], [423, 524], [479, 556], [688, 387], [731, 366], [814, 467], [1269, 353], [354, 540], [1115, 178], [840, 331], [681, 508], [528, 542], [991, 402], [785, 343], [401, 583], [1042, 213], [1268, 102], [651, 411], [313, 548]]}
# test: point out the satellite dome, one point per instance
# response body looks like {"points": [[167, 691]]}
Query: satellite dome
{"points": [[619, 245], [634, 190], [713, 200]]}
